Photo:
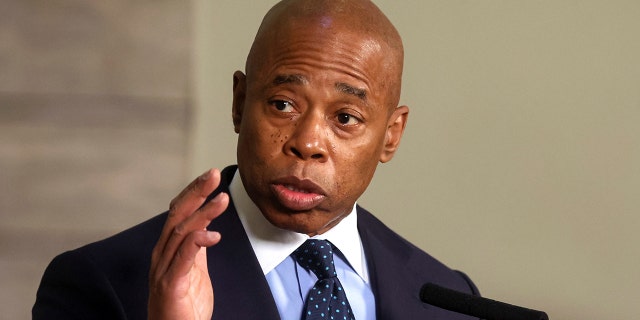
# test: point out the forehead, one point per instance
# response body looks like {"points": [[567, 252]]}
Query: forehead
{"points": [[322, 48]]}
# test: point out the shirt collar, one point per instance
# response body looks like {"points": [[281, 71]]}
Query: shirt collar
{"points": [[273, 245]]}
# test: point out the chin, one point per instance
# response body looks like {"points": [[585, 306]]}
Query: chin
{"points": [[300, 222]]}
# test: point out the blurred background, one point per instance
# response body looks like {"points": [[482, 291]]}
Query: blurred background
{"points": [[519, 165]]}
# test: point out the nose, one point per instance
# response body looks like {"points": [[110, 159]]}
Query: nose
{"points": [[309, 138]]}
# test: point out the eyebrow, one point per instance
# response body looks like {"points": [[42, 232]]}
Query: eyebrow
{"points": [[289, 78], [302, 80], [351, 90]]}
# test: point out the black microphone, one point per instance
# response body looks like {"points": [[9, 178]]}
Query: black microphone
{"points": [[476, 306]]}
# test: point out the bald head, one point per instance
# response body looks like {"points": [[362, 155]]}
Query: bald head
{"points": [[322, 19], [359, 15], [317, 110]]}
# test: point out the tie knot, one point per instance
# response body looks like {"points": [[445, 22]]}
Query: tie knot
{"points": [[317, 257]]}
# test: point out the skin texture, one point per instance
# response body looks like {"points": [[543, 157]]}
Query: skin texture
{"points": [[315, 113]]}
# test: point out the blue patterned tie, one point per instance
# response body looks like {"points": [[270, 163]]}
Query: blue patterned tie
{"points": [[326, 300]]}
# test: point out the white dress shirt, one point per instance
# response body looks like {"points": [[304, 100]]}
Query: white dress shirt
{"points": [[289, 282]]}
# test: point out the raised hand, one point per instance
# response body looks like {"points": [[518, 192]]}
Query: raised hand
{"points": [[179, 284]]}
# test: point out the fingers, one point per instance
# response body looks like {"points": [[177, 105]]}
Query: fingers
{"points": [[185, 234], [186, 254], [183, 205], [190, 199], [186, 216]]}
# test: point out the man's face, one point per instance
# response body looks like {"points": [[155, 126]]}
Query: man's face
{"points": [[314, 119]]}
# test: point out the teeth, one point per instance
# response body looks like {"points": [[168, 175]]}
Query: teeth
{"points": [[292, 188]]}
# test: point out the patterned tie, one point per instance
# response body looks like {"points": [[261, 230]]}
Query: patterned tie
{"points": [[326, 300]]}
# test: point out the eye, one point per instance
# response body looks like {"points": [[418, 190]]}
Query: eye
{"points": [[282, 105], [347, 119]]}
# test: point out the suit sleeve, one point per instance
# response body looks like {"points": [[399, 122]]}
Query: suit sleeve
{"points": [[73, 287], [472, 286]]}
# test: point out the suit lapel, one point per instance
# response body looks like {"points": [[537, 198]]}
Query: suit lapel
{"points": [[386, 260], [240, 289]]}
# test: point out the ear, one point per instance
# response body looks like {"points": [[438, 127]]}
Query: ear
{"points": [[395, 128], [239, 95]]}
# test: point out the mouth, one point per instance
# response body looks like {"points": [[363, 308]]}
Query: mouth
{"points": [[296, 194]]}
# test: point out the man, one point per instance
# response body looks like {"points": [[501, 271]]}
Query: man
{"points": [[315, 112]]}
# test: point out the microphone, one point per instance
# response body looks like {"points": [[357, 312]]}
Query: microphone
{"points": [[476, 306]]}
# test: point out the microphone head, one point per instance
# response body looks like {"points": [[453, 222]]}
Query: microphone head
{"points": [[476, 306]]}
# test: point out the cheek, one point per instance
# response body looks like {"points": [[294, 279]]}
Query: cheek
{"points": [[364, 152], [262, 140], [269, 142], [276, 139], [357, 163]]}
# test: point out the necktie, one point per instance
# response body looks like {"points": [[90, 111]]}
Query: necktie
{"points": [[326, 300]]}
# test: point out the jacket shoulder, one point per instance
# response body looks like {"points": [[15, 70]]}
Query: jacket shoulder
{"points": [[414, 258], [398, 269], [102, 280]]}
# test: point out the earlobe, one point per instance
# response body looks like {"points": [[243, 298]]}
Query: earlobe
{"points": [[395, 129], [239, 94]]}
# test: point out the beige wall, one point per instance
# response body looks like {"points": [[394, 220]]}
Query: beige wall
{"points": [[93, 127], [520, 161]]}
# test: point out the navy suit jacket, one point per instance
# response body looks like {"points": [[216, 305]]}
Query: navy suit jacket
{"points": [[109, 279]]}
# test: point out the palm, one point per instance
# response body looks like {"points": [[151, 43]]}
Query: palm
{"points": [[200, 293]]}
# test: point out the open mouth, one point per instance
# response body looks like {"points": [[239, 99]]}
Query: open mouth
{"points": [[292, 188], [296, 194]]}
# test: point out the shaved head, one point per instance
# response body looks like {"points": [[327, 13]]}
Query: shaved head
{"points": [[317, 110], [331, 18]]}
